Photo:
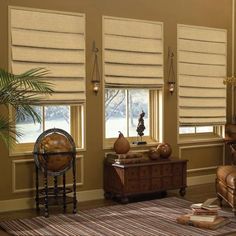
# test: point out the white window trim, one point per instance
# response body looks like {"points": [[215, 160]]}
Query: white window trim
{"points": [[78, 134], [156, 128], [216, 136]]}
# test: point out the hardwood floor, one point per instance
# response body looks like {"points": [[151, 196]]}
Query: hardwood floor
{"points": [[197, 193]]}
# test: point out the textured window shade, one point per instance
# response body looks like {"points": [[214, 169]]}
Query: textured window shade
{"points": [[201, 70], [133, 53], [54, 41]]}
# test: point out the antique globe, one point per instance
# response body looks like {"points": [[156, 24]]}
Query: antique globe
{"points": [[53, 151]]}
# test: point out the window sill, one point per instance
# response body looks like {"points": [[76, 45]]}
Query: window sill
{"points": [[134, 146], [199, 139]]}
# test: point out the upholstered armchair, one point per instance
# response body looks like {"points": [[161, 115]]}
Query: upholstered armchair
{"points": [[226, 175]]}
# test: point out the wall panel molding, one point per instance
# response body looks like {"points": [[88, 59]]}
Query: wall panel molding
{"points": [[21, 190], [203, 179], [203, 146]]}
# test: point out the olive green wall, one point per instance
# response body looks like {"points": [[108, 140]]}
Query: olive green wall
{"points": [[210, 13]]}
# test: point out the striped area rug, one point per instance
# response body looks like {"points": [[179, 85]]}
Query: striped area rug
{"points": [[155, 217]]}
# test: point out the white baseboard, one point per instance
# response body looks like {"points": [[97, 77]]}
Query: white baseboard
{"points": [[29, 203], [203, 179]]}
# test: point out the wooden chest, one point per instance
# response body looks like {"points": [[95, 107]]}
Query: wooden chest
{"points": [[124, 180]]}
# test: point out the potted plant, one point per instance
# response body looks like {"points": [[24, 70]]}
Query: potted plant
{"points": [[21, 92]]}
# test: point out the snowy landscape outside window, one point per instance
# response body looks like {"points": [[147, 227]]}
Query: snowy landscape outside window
{"points": [[195, 129], [122, 110], [51, 117]]}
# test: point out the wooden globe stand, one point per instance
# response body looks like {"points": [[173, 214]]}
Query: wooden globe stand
{"points": [[54, 195]]}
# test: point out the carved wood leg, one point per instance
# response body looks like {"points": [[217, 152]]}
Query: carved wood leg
{"points": [[74, 187], [124, 200], [64, 192], [55, 187], [163, 193], [37, 187], [182, 192], [46, 214], [107, 195]]}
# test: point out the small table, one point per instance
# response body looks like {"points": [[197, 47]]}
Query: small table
{"points": [[124, 180]]}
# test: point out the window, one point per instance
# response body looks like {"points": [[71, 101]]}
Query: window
{"points": [[196, 129], [56, 41], [51, 116], [202, 64], [123, 107], [68, 118], [200, 133], [133, 78]]}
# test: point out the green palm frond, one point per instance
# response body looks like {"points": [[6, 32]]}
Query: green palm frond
{"points": [[22, 92], [22, 102], [32, 80]]}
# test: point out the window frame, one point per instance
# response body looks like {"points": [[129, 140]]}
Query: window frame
{"points": [[78, 108], [155, 121], [76, 130], [216, 135], [195, 129], [218, 130]]}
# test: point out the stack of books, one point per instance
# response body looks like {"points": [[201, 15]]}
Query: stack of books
{"points": [[204, 215], [129, 158]]}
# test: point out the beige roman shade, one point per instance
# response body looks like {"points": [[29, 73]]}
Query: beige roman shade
{"points": [[201, 69], [52, 40], [132, 53]]}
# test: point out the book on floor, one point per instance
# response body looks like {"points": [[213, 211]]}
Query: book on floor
{"points": [[201, 211], [220, 221], [208, 205], [209, 202], [205, 218]]}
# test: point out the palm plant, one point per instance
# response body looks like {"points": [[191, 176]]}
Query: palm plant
{"points": [[21, 92]]}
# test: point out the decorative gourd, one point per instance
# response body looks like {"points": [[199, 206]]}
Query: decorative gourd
{"points": [[165, 150], [121, 145], [154, 153]]}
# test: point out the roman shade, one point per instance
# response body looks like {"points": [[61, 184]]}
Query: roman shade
{"points": [[54, 41], [133, 53], [202, 56]]}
